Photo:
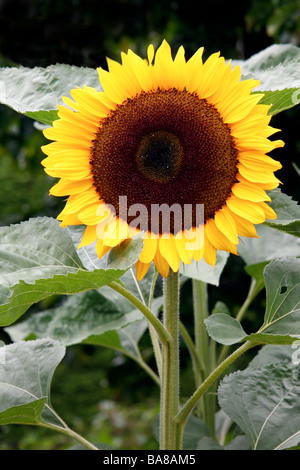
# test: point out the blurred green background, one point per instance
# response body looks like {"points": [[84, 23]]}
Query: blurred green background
{"points": [[101, 394]]}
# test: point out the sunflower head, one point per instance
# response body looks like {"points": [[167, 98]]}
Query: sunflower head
{"points": [[173, 148]]}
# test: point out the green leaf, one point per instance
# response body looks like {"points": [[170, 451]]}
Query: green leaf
{"points": [[280, 100], [272, 354], [125, 338], [278, 69], [85, 317], [208, 443], [37, 260], [282, 317], [282, 279], [25, 378], [205, 272], [72, 321], [264, 402], [44, 117], [224, 329], [272, 244], [288, 213], [24, 414], [194, 431], [120, 256], [36, 91], [196, 436]]}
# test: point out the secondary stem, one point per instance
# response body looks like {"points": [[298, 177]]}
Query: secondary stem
{"points": [[69, 432], [184, 413], [158, 326], [200, 302], [200, 314], [169, 404]]}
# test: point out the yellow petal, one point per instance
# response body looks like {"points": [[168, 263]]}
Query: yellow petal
{"points": [[68, 136], [240, 108], [150, 53], [161, 264], [182, 245], [91, 102], [217, 238], [101, 249], [71, 219], [164, 67], [66, 187], [250, 158], [269, 212], [210, 252], [140, 70], [141, 269], [149, 250], [93, 214], [77, 202], [225, 223], [168, 250], [117, 231], [244, 227], [247, 209], [89, 236], [250, 192], [257, 176]]}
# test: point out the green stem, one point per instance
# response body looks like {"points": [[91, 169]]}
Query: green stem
{"points": [[140, 361], [186, 410], [152, 331], [169, 404], [200, 314], [69, 432], [203, 348], [198, 365], [153, 334], [254, 289], [162, 333], [151, 294]]}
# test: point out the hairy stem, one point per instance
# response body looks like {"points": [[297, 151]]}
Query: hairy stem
{"points": [[157, 325], [169, 403]]}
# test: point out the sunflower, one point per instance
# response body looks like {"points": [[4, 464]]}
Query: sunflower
{"points": [[170, 134]]}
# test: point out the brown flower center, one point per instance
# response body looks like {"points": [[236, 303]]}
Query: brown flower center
{"points": [[164, 147]]}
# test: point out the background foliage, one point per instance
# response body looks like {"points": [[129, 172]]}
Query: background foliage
{"points": [[104, 395]]}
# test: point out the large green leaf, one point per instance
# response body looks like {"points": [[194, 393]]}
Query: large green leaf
{"points": [[288, 213], [88, 317], [278, 69], [264, 402], [271, 244], [282, 279], [37, 260], [36, 91], [274, 353], [25, 379], [73, 320], [282, 317]]}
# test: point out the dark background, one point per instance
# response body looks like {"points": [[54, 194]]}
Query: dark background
{"points": [[99, 393]]}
